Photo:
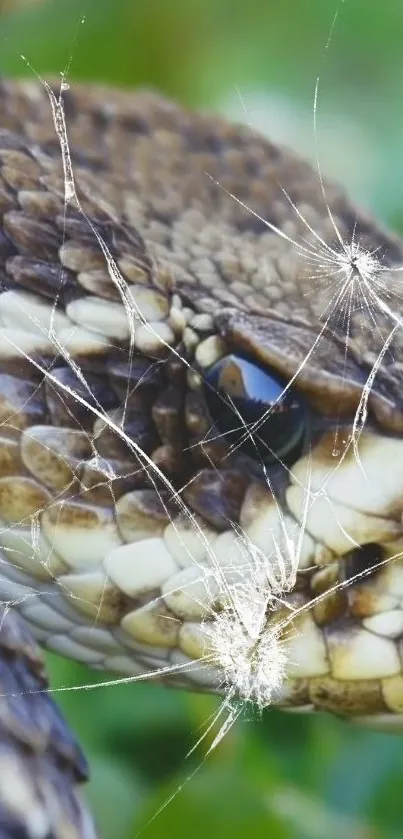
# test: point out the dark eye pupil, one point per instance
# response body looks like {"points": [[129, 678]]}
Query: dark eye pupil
{"points": [[249, 406]]}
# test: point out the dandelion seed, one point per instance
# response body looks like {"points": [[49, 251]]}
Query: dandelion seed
{"points": [[242, 640], [253, 662]]}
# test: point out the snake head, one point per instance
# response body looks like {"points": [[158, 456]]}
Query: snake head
{"points": [[201, 445]]}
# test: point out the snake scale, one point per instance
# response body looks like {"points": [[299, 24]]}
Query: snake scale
{"points": [[196, 261]]}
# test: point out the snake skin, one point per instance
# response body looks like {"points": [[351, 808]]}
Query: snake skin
{"points": [[114, 301], [40, 764]]}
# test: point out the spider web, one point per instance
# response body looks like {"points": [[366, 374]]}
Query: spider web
{"points": [[243, 640]]}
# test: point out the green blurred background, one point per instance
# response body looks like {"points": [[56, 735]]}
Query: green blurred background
{"points": [[286, 776]]}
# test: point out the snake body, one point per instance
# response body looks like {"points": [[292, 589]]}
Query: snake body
{"points": [[187, 239]]}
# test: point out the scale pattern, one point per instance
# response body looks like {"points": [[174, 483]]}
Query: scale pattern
{"points": [[112, 307]]}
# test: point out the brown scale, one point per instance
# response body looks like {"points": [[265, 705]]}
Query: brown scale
{"points": [[168, 416], [136, 425], [38, 203], [136, 381], [104, 481], [19, 179], [81, 256], [46, 277], [206, 444], [32, 236], [98, 282], [54, 455], [217, 497], [352, 697], [65, 410], [173, 462], [332, 602], [22, 403], [146, 511], [71, 223]]}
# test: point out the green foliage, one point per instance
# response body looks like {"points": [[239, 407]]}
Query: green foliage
{"points": [[285, 776]]}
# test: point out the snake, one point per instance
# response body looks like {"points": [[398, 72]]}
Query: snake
{"points": [[200, 400]]}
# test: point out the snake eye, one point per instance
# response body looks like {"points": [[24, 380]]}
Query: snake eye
{"points": [[249, 406]]}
